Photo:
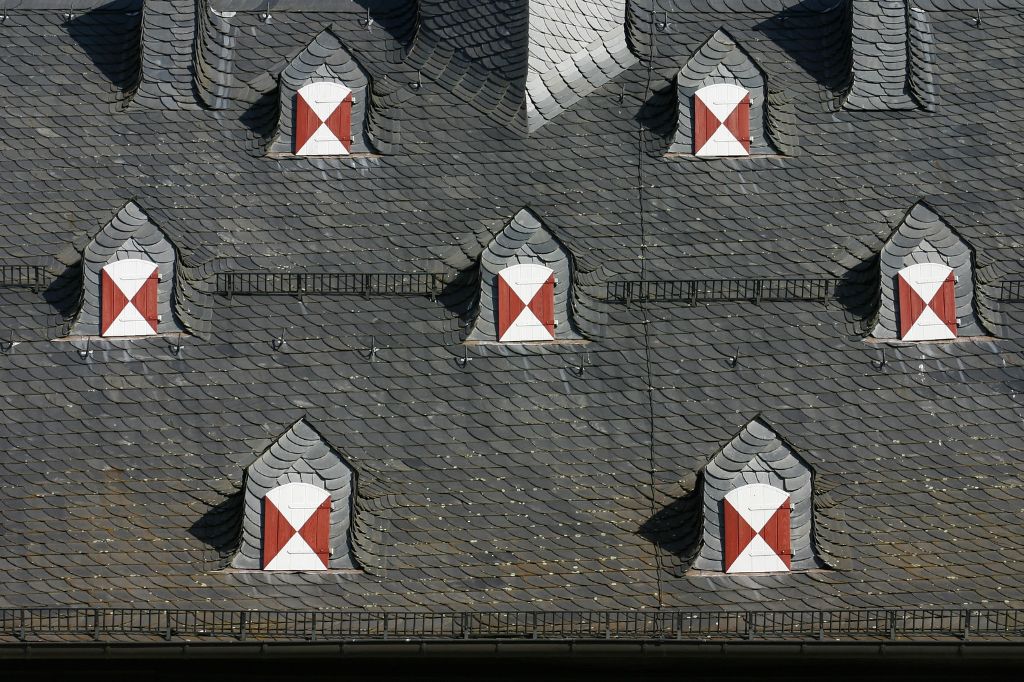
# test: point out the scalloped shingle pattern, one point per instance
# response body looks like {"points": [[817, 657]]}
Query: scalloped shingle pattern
{"points": [[521, 478]]}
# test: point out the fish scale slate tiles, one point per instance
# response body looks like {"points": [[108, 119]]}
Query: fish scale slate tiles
{"points": [[556, 476]]}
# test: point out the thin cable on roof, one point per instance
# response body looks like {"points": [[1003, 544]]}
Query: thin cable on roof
{"points": [[643, 307]]}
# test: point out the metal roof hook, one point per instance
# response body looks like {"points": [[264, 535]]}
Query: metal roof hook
{"points": [[733, 359], [661, 21], [278, 341], [464, 360], [581, 368], [418, 84], [177, 346], [266, 17], [881, 361], [372, 355], [84, 353], [7, 344], [367, 21], [977, 20]]}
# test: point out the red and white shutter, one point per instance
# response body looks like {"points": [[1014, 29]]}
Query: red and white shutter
{"points": [[323, 119], [756, 527], [927, 302], [296, 528], [128, 298], [721, 125], [526, 303]]}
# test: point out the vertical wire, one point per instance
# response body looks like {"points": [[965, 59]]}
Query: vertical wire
{"points": [[643, 311]]}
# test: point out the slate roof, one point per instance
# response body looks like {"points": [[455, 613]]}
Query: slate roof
{"points": [[540, 477]]}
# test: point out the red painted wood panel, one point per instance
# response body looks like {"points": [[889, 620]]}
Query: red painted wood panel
{"points": [[704, 124], [146, 300], [340, 122], [112, 301], [944, 303], [306, 122], [738, 122], [276, 531], [543, 304], [910, 305], [509, 306], [738, 533], [317, 531], [777, 533]]}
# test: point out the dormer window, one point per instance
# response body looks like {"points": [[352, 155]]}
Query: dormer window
{"points": [[298, 509], [324, 102], [722, 104], [927, 302], [926, 282], [526, 303], [758, 507], [323, 119], [525, 287], [721, 121], [128, 280]]}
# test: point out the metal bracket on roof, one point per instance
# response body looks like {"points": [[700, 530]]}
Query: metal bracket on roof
{"points": [[661, 21], [7, 344], [84, 353], [464, 360], [176, 347], [579, 369], [266, 17], [278, 341], [881, 362], [372, 353], [418, 84], [734, 359], [977, 20], [3, 14], [367, 21]]}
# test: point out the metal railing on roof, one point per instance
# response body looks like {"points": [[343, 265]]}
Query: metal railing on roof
{"points": [[873, 624], [695, 291], [329, 283], [28, 276], [1011, 290]]}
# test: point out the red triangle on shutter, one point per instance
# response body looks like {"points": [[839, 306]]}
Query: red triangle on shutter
{"points": [[112, 303], [738, 533], [145, 301], [911, 305], [509, 306], [543, 304], [316, 531], [340, 122], [306, 122], [738, 122], [776, 533], [944, 303], [704, 124], [276, 531]]}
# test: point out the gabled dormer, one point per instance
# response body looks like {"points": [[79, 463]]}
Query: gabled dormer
{"points": [[758, 507], [128, 280], [298, 507], [525, 286], [926, 282], [722, 101], [324, 95]]}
